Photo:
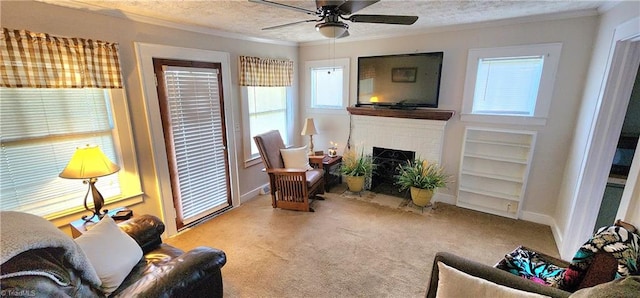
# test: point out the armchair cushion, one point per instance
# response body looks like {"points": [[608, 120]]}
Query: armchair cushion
{"points": [[296, 158], [314, 176], [111, 252]]}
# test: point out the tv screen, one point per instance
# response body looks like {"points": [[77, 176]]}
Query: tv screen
{"points": [[408, 80]]}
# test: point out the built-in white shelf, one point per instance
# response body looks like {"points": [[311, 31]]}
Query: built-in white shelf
{"points": [[493, 170]]}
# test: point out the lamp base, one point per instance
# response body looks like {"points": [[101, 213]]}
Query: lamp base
{"points": [[98, 202]]}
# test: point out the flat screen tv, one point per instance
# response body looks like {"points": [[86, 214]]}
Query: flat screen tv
{"points": [[400, 81]]}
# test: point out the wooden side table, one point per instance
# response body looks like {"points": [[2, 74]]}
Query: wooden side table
{"points": [[80, 226], [332, 174]]}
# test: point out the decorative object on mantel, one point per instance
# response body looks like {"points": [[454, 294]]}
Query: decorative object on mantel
{"points": [[356, 167], [422, 178], [426, 113], [309, 129], [89, 163]]}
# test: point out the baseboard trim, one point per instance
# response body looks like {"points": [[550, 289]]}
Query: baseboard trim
{"points": [[444, 198], [537, 218], [252, 194]]}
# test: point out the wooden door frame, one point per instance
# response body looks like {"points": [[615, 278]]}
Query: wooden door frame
{"points": [[165, 112], [145, 53]]}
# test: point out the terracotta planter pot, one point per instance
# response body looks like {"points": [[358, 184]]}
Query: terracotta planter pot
{"points": [[421, 197], [355, 183]]}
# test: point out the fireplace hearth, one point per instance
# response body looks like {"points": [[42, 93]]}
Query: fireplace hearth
{"points": [[387, 161]]}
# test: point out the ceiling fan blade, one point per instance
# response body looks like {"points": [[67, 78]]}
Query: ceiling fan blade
{"points": [[383, 19], [349, 7], [285, 6], [288, 24]]}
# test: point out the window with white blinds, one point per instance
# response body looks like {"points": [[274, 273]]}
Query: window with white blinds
{"points": [[510, 85], [507, 86], [40, 130], [267, 111], [197, 128], [328, 82]]}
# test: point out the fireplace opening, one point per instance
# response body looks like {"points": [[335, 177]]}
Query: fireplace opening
{"points": [[388, 160]]}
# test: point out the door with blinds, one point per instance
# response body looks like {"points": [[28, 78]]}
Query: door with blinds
{"points": [[192, 111]]}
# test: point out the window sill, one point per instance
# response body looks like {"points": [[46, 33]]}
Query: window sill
{"points": [[62, 219], [252, 162], [325, 110], [496, 119]]}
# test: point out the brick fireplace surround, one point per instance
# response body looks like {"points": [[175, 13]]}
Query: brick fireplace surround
{"points": [[413, 130]]}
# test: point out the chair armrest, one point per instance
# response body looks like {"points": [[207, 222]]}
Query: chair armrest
{"points": [[316, 161], [284, 171], [145, 230], [487, 273], [196, 273]]}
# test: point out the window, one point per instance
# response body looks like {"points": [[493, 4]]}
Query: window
{"points": [[267, 109], [40, 130], [511, 84], [328, 84], [57, 94], [266, 100]]}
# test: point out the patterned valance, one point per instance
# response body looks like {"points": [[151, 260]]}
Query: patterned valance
{"points": [[256, 71], [40, 60]]}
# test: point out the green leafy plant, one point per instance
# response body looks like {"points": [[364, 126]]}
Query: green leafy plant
{"points": [[421, 174], [354, 164]]}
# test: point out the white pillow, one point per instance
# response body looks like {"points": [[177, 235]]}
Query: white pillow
{"points": [[111, 251], [296, 158], [455, 283]]}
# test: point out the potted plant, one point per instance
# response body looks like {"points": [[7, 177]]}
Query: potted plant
{"points": [[356, 167], [422, 178]]}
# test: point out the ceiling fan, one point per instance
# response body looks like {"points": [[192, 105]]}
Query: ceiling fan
{"points": [[330, 14]]}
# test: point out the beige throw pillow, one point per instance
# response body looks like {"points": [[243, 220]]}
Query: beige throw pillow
{"points": [[453, 283], [296, 158], [111, 251]]}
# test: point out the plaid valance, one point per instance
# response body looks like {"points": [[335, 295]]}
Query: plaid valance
{"points": [[256, 71], [40, 60]]}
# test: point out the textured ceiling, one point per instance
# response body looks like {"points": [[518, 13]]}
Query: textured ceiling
{"points": [[247, 18]]}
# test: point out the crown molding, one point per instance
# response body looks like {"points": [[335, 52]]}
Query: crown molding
{"points": [[154, 21]]}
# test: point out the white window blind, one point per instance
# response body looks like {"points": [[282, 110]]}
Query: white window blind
{"points": [[197, 128], [40, 130], [507, 86], [267, 111], [326, 87]]}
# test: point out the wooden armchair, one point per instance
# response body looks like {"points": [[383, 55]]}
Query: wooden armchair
{"points": [[290, 188]]}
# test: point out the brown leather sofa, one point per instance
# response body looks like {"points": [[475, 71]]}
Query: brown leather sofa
{"points": [[164, 271]]}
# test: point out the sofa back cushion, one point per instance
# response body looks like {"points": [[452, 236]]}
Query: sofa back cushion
{"points": [[455, 283]]}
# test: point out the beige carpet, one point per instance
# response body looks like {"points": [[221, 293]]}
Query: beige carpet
{"points": [[352, 246]]}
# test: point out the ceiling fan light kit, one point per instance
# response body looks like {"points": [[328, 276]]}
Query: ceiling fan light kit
{"points": [[331, 12], [333, 30]]}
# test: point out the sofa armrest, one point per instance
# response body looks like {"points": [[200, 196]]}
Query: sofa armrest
{"points": [[145, 230], [488, 273], [196, 273]]}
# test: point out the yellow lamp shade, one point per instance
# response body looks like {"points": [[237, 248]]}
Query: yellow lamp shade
{"points": [[88, 162]]}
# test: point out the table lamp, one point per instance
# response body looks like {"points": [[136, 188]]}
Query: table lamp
{"points": [[309, 129], [89, 163]]}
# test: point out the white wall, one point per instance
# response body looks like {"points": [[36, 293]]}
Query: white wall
{"points": [[576, 34], [587, 115]]}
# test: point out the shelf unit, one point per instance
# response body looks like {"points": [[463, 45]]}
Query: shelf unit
{"points": [[493, 170]]}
